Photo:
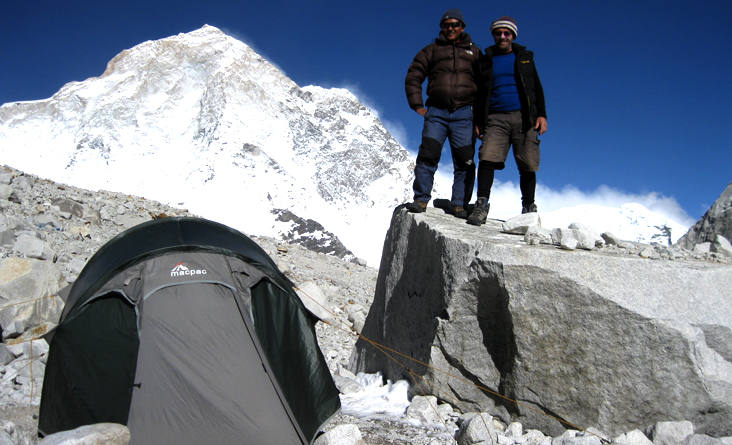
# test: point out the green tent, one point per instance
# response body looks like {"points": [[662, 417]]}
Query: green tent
{"points": [[184, 330]]}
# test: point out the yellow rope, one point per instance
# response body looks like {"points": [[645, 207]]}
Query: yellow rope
{"points": [[53, 300], [383, 348], [29, 301], [30, 363]]}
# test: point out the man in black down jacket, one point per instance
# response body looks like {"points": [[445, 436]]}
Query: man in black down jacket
{"points": [[513, 113], [448, 64]]}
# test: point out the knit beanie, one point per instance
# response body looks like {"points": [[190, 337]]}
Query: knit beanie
{"points": [[453, 14], [505, 22]]}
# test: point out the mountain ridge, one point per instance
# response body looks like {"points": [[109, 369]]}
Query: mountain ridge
{"points": [[195, 118]]}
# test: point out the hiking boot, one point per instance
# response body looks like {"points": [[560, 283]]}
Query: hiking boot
{"points": [[460, 212], [530, 209], [417, 206], [480, 212]]}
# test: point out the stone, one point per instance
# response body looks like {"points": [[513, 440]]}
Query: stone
{"points": [[514, 429], [573, 238], [649, 252], [7, 238], [587, 239], [5, 191], [599, 241], [478, 430], [577, 440], [538, 235], [568, 239], [341, 435], [80, 232], [69, 206], [534, 437], [670, 433], [344, 372], [610, 239], [76, 265], [97, 434], [356, 315], [702, 439], [722, 245], [702, 247], [46, 219], [520, 224], [424, 409], [314, 299], [635, 437], [23, 183], [580, 334], [31, 247], [346, 385], [27, 289], [6, 356]]}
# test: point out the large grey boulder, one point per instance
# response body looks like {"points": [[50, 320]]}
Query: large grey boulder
{"points": [[615, 342], [717, 221]]}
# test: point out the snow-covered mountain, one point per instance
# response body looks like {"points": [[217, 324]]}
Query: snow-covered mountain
{"points": [[201, 121]]}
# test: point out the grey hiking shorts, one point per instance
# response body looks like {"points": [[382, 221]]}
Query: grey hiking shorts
{"points": [[502, 131]]}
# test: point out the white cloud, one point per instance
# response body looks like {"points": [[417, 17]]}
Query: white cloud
{"points": [[506, 198], [507, 195]]}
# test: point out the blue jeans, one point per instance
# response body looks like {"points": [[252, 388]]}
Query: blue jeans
{"points": [[441, 124]]}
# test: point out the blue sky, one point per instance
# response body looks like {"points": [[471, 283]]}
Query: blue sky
{"points": [[637, 91]]}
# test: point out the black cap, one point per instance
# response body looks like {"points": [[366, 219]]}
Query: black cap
{"points": [[453, 14]]}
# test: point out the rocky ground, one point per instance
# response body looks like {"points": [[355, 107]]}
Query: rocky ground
{"points": [[66, 225], [31, 206]]}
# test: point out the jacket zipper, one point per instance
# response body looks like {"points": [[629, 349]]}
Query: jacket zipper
{"points": [[528, 100]]}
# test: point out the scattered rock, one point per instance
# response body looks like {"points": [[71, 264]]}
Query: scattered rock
{"points": [[98, 434], [538, 235], [520, 224], [670, 433], [610, 239], [635, 437], [722, 245], [341, 435]]}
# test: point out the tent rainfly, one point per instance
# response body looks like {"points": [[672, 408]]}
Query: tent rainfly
{"points": [[186, 331]]}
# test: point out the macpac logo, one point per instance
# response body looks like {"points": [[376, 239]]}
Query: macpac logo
{"points": [[180, 269]]}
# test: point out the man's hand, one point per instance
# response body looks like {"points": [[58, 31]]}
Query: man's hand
{"points": [[477, 133], [421, 111], [540, 125]]}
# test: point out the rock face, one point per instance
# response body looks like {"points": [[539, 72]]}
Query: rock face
{"points": [[717, 221], [614, 342]]}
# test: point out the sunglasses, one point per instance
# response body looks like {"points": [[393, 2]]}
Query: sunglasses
{"points": [[454, 25], [503, 33]]}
